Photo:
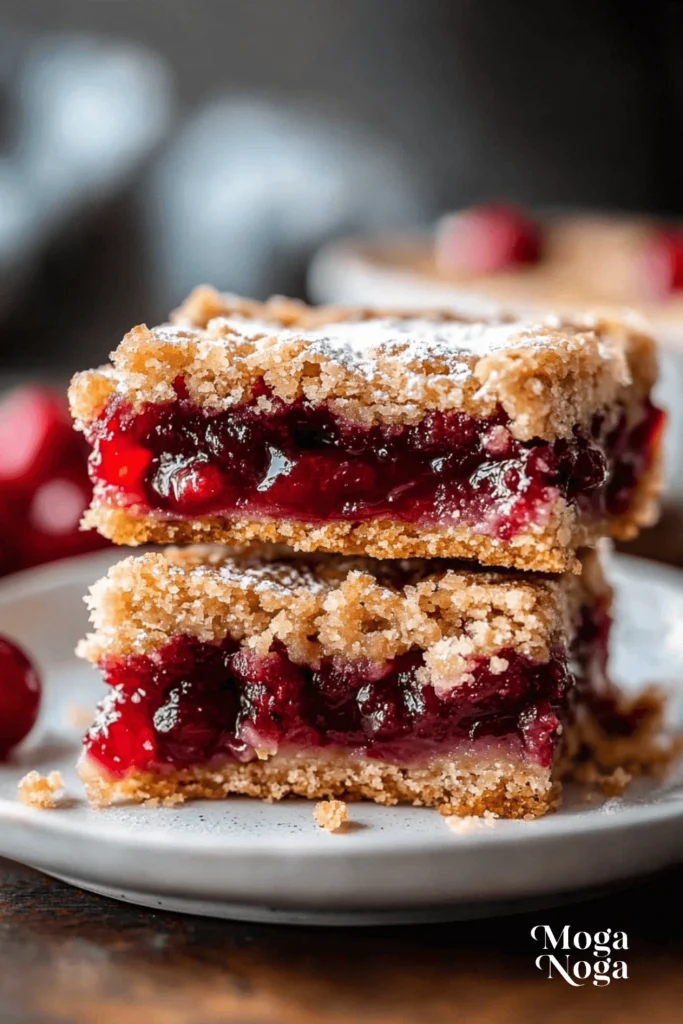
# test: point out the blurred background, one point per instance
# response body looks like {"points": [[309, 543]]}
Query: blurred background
{"points": [[148, 146]]}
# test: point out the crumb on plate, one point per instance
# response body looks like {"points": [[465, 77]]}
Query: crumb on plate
{"points": [[79, 717], [41, 791], [171, 800], [617, 782], [470, 822], [331, 814], [612, 782]]}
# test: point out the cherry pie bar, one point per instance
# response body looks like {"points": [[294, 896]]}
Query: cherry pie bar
{"points": [[415, 681], [383, 435]]}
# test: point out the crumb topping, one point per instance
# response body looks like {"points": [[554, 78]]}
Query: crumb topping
{"points": [[331, 814], [379, 366], [40, 791], [335, 607]]}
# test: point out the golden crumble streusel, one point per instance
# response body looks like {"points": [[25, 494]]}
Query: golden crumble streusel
{"points": [[335, 607], [378, 366]]}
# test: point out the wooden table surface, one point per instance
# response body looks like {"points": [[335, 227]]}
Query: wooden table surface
{"points": [[66, 955]]}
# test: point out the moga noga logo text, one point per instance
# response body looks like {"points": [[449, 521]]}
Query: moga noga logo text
{"points": [[579, 957]]}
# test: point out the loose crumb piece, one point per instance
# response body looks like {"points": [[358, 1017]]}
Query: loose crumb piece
{"points": [[171, 800], [40, 791], [331, 814], [616, 783], [470, 822], [612, 783], [79, 717]]}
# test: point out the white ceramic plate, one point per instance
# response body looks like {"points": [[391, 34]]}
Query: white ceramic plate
{"points": [[244, 859]]}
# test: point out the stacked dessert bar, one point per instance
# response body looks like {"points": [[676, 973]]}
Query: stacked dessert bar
{"points": [[349, 479]]}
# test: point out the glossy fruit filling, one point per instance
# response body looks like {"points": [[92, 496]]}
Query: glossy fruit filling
{"points": [[297, 461], [196, 703]]}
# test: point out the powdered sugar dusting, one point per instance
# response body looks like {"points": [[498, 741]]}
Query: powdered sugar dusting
{"points": [[374, 366], [172, 333], [360, 345], [260, 576]]}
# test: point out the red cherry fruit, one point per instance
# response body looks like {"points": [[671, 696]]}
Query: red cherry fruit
{"points": [[35, 435], [663, 263], [121, 461], [20, 691], [196, 486], [487, 238]]}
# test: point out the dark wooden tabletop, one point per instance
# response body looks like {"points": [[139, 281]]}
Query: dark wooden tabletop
{"points": [[68, 956]]}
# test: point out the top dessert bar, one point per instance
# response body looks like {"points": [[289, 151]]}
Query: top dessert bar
{"points": [[382, 433]]}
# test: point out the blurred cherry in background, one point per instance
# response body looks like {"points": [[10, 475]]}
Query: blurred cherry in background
{"points": [[44, 484]]}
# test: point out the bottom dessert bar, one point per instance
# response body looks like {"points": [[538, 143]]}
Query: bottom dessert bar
{"points": [[421, 682]]}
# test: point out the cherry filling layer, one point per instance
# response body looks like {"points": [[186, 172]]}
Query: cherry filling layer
{"points": [[303, 462], [193, 703]]}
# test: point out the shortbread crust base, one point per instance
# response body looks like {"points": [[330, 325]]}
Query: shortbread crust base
{"points": [[550, 548], [462, 785]]}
